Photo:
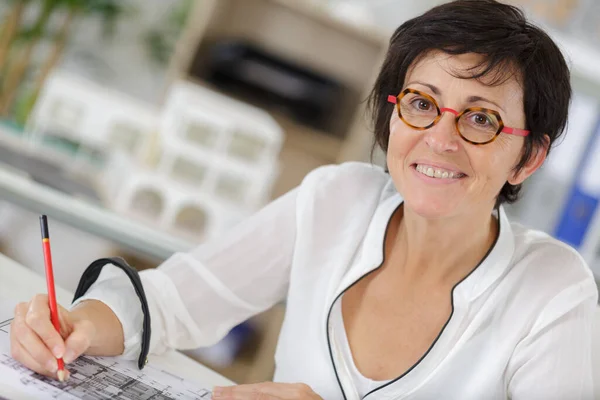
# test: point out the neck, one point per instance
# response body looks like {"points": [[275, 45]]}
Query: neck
{"points": [[442, 250]]}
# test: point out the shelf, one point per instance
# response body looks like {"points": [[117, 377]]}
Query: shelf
{"points": [[321, 14]]}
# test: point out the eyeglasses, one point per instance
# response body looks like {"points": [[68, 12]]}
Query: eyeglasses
{"points": [[476, 125]]}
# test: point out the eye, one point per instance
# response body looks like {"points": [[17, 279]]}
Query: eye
{"points": [[480, 119], [422, 104]]}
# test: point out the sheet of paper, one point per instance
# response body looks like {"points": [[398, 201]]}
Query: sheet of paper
{"points": [[91, 377]]}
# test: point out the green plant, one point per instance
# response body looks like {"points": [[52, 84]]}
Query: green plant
{"points": [[108, 10], [160, 41], [16, 70], [9, 29], [25, 39]]}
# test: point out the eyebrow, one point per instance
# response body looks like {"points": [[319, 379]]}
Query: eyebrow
{"points": [[470, 99], [434, 89]]}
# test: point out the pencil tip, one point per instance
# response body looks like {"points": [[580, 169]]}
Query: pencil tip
{"points": [[62, 376]]}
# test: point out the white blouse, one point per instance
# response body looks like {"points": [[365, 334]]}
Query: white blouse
{"points": [[520, 327]]}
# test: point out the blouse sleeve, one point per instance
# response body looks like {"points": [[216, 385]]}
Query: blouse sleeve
{"points": [[196, 297], [554, 361]]}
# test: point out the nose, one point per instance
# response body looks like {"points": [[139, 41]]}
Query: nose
{"points": [[443, 137]]}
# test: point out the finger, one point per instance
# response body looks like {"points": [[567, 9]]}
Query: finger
{"points": [[79, 340], [273, 390], [22, 337], [20, 311], [22, 355], [38, 319], [36, 349], [256, 391]]}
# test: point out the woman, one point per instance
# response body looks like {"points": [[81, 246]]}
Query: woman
{"points": [[407, 285]]}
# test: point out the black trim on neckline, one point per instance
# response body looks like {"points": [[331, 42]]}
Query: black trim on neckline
{"points": [[344, 291], [441, 331]]}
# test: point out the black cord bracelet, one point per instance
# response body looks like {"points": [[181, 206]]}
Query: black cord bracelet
{"points": [[90, 276]]}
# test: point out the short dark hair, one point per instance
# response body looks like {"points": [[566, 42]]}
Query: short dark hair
{"points": [[507, 42]]}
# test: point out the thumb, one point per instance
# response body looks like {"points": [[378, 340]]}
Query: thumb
{"points": [[66, 325], [79, 340]]}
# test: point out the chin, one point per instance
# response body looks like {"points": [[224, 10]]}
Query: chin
{"points": [[430, 208]]}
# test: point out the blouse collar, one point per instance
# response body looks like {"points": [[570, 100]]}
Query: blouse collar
{"points": [[490, 269]]}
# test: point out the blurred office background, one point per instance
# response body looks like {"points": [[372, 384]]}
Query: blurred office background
{"points": [[142, 127]]}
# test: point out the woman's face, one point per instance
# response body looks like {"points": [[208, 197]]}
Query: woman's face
{"points": [[478, 171]]}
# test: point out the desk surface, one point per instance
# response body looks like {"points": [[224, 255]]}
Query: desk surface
{"points": [[19, 283]]}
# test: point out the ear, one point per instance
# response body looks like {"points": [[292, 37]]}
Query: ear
{"points": [[533, 164]]}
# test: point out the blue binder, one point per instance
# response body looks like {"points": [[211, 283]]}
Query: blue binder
{"points": [[583, 198]]}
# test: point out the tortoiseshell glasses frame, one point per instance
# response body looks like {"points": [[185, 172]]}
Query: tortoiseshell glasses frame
{"points": [[472, 131]]}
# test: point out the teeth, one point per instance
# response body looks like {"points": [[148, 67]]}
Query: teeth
{"points": [[437, 173]]}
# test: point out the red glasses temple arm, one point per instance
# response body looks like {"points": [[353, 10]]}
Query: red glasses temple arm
{"points": [[515, 131], [392, 99]]}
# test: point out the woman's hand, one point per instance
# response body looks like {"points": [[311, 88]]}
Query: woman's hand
{"points": [[36, 344], [266, 391]]}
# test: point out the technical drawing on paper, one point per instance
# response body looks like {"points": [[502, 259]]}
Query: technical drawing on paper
{"points": [[97, 378]]}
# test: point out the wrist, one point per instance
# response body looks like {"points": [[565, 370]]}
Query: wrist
{"points": [[108, 338]]}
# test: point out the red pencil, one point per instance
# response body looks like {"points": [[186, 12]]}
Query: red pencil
{"points": [[51, 292]]}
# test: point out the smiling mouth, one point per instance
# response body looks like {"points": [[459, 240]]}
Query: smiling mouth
{"points": [[439, 173]]}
